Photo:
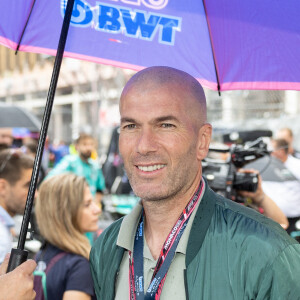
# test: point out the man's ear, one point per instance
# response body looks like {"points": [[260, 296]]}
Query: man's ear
{"points": [[204, 137], [3, 186]]}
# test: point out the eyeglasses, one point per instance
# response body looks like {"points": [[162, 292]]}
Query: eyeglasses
{"points": [[13, 153]]}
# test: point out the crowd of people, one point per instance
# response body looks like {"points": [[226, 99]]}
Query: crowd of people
{"points": [[182, 240], [67, 209]]}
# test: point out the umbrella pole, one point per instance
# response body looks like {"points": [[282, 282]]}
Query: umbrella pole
{"points": [[19, 255]]}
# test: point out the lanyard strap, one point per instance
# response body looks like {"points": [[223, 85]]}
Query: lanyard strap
{"points": [[136, 262]]}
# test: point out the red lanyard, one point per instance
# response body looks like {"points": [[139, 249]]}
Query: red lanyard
{"points": [[136, 262]]}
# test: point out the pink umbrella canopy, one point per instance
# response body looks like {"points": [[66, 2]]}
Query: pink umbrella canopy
{"points": [[226, 44]]}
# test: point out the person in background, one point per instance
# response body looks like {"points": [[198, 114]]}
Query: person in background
{"points": [[65, 210], [182, 240], [6, 138], [30, 148], [287, 134], [263, 203], [281, 152], [15, 174], [285, 193], [17, 284], [82, 165], [58, 151], [257, 200]]}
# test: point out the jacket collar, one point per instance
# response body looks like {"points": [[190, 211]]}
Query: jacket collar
{"points": [[200, 224]]}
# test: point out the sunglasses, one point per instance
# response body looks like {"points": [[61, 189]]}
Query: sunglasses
{"points": [[13, 153]]}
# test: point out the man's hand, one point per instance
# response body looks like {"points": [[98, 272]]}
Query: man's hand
{"points": [[17, 284], [258, 196], [263, 201]]}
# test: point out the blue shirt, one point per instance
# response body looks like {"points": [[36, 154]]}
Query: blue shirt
{"points": [[59, 151]]}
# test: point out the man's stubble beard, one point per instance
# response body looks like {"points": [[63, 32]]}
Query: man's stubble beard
{"points": [[86, 156], [175, 184]]}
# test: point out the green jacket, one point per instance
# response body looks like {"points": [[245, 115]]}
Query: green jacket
{"points": [[233, 253]]}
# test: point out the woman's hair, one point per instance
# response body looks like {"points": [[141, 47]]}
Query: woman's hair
{"points": [[58, 205]]}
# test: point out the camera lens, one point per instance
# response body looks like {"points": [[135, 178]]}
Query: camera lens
{"points": [[245, 182]]}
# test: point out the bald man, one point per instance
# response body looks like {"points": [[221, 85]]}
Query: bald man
{"points": [[183, 241]]}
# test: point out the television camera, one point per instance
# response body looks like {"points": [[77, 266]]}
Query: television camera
{"points": [[223, 175]]}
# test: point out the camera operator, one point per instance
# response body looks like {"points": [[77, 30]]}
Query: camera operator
{"points": [[263, 202], [280, 182], [281, 152], [287, 135]]}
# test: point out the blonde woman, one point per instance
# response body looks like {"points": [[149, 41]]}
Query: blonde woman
{"points": [[65, 210]]}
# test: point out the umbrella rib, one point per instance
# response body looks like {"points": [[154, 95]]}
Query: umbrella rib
{"points": [[20, 40], [212, 48]]}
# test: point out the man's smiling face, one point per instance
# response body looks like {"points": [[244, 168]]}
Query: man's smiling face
{"points": [[158, 140]]}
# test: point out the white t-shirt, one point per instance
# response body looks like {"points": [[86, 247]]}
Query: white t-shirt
{"points": [[280, 184], [286, 195], [5, 236], [293, 164]]}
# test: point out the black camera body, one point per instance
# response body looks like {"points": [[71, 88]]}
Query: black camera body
{"points": [[216, 175], [223, 176]]}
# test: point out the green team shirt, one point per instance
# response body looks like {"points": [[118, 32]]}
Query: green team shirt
{"points": [[89, 170]]}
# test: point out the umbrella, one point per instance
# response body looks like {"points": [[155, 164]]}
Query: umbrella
{"points": [[14, 116], [226, 44], [217, 42]]}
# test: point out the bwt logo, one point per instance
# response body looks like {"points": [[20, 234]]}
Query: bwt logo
{"points": [[155, 4], [123, 20]]}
